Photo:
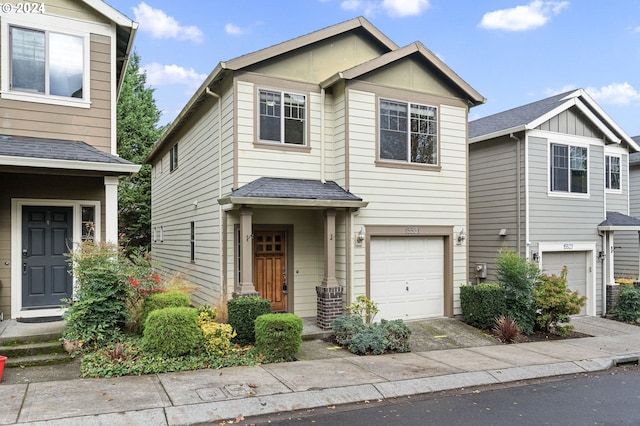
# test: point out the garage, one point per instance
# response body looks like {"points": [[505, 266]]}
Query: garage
{"points": [[407, 277], [576, 263]]}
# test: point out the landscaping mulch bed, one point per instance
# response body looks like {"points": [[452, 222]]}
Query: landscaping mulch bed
{"points": [[541, 336]]}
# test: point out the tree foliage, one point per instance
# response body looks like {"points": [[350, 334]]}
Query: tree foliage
{"points": [[137, 131]]}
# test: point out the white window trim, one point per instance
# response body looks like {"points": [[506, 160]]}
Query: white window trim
{"points": [[42, 22], [612, 190], [408, 161], [568, 142], [591, 266], [282, 118], [16, 247]]}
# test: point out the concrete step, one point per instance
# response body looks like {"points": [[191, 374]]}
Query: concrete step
{"points": [[37, 360], [35, 348]]}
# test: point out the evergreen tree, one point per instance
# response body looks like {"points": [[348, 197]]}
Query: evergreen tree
{"points": [[137, 131]]}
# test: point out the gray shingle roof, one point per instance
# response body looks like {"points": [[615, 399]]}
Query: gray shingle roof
{"points": [[619, 219], [266, 187], [514, 117], [54, 149]]}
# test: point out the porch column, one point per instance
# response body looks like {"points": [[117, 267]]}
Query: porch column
{"points": [[245, 286], [111, 209], [329, 293], [329, 249]]}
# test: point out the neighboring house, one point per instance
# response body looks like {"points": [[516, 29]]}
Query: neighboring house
{"points": [[550, 180], [627, 248], [60, 72], [322, 168]]}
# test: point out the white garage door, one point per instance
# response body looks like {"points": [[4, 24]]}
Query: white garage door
{"points": [[576, 263], [407, 277]]}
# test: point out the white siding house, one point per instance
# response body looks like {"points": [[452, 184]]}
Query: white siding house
{"points": [[322, 168]]}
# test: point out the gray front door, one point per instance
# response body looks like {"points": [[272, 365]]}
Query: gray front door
{"points": [[47, 234]]}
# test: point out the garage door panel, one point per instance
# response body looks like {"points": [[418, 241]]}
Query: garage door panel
{"points": [[407, 276], [576, 263]]}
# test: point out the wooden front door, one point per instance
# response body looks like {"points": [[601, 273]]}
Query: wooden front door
{"points": [[270, 267], [46, 237]]}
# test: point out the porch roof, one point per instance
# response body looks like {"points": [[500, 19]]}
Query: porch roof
{"points": [[60, 154], [619, 222], [269, 191]]}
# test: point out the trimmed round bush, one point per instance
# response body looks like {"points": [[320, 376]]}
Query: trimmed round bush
{"points": [[242, 313], [278, 336], [172, 332], [169, 299]]}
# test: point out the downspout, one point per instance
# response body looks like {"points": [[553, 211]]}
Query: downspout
{"points": [[223, 280], [518, 195], [322, 136]]}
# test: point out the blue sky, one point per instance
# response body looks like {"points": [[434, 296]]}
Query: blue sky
{"points": [[511, 51]]}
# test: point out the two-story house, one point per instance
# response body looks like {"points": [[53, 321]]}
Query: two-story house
{"points": [[61, 66], [550, 181], [322, 168]]}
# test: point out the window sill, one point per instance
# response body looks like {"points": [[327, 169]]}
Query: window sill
{"points": [[568, 195], [411, 166], [44, 99], [282, 146]]}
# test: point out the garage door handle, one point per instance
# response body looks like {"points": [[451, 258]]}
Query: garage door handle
{"points": [[407, 288]]}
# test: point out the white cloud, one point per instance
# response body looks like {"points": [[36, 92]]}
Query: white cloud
{"points": [[234, 29], [162, 75], [402, 8], [614, 94], [522, 18], [636, 30], [394, 8], [160, 25]]}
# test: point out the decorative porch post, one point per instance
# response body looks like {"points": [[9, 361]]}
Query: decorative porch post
{"points": [[329, 293], [245, 286], [111, 209]]}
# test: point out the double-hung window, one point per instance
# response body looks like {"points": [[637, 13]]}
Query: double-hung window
{"points": [[282, 117], [408, 132], [46, 63], [173, 158], [612, 172], [569, 169]]}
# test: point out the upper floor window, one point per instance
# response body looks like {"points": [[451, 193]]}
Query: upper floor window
{"points": [[47, 63], [569, 169], [282, 117], [408, 132], [173, 158], [612, 172]]}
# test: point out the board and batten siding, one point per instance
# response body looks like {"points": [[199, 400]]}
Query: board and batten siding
{"points": [[493, 196], [90, 125], [404, 196], [190, 193]]}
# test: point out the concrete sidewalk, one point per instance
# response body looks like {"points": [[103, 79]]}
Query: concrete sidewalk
{"points": [[207, 396]]}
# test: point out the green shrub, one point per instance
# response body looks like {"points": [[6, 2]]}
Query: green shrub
{"points": [[481, 304], [555, 303], [518, 277], [364, 308], [370, 341], [98, 313], [351, 332], [278, 336], [628, 306], [172, 331], [170, 299], [242, 312], [398, 335], [345, 327]]}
